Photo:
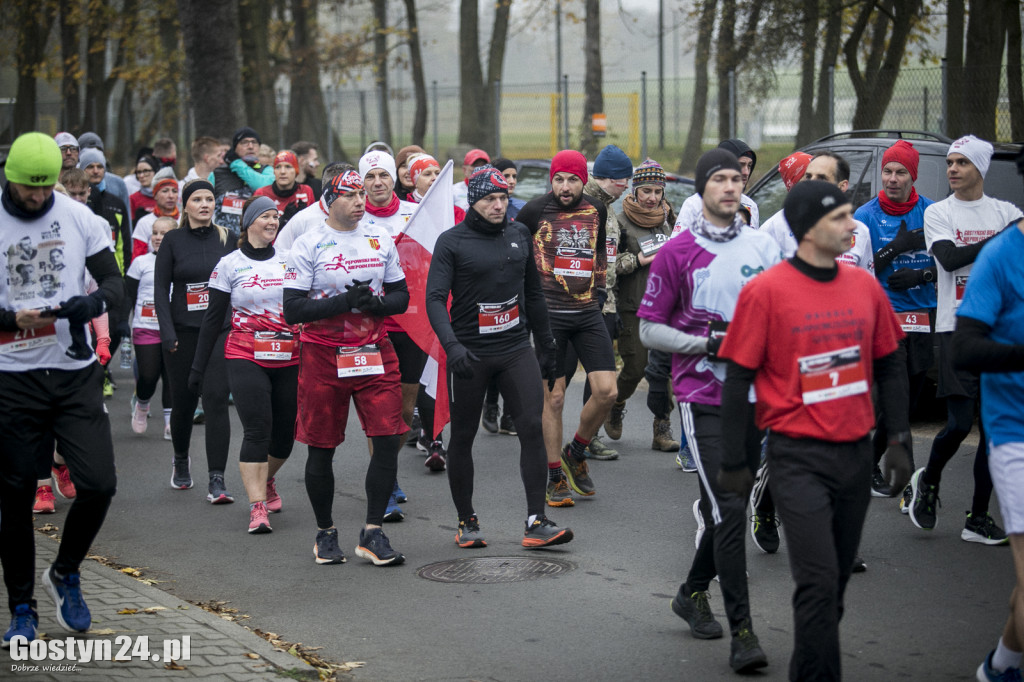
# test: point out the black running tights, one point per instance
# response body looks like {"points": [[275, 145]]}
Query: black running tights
{"points": [[151, 368], [215, 399], [380, 480], [960, 418]]}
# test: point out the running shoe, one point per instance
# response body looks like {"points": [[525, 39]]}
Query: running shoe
{"points": [[746, 654], [489, 419], [199, 416], [66, 591], [181, 477], [558, 494], [696, 611], [62, 477], [469, 535], [598, 450], [924, 501], [764, 529], [507, 425], [436, 457], [393, 513], [44, 503], [273, 499], [983, 530], [414, 428], [374, 546], [326, 549], [140, 415], [259, 522], [613, 425], [578, 473], [859, 565], [908, 494], [423, 443], [700, 523], [24, 623], [167, 432], [400, 496], [684, 459], [988, 674], [879, 488], [544, 533], [108, 388], [218, 492]]}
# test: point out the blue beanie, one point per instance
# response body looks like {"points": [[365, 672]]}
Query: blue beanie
{"points": [[612, 163]]}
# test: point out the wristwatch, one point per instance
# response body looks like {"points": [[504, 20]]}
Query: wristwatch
{"points": [[929, 275]]}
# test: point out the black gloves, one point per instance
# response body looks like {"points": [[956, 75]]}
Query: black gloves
{"points": [[358, 294], [907, 241], [195, 382], [740, 481], [230, 156], [602, 296], [547, 359], [460, 361], [124, 329], [79, 311], [896, 469], [905, 278], [290, 210]]}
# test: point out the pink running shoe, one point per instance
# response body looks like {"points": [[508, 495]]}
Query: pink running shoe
{"points": [[44, 501], [273, 499], [140, 415], [258, 520], [63, 478]]}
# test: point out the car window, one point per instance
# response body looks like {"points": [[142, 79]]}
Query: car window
{"points": [[770, 195], [862, 163], [531, 182], [1002, 182], [931, 177]]}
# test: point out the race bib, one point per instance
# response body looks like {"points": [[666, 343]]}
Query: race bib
{"points": [[197, 296], [359, 361], [960, 285], [497, 317], [611, 249], [27, 339], [650, 246], [232, 204], [914, 322], [273, 345], [574, 262], [149, 310], [832, 375]]}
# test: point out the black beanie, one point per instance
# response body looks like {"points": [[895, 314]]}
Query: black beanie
{"points": [[503, 164], [242, 133], [710, 163], [739, 148], [808, 202]]}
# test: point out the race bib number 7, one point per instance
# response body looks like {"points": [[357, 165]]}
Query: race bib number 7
{"points": [[359, 361], [832, 375]]}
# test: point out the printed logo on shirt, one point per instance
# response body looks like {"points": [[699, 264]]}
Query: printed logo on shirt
{"points": [[574, 237], [290, 273], [748, 271], [244, 268], [968, 237], [253, 282], [374, 243], [653, 289], [326, 245]]}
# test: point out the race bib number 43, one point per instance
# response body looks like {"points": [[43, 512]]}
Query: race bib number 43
{"points": [[914, 322], [832, 375], [359, 361], [497, 317], [197, 296], [574, 262]]}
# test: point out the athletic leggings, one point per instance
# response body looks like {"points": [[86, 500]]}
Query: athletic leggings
{"points": [[519, 381], [265, 399], [380, 480], [960, 418], [215, 399], [151, 368]]}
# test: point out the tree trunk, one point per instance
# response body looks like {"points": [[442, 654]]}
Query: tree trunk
{"points": [[829, 53], [725, 62], [307, 117], [34, 22], [98, 22], [470, 75], [593, 100], [982, 67], [419, 119], [698, 116], [380, 68], [954, 67], [808, 50], [258, 74], [210, 32], [71, 106], [1014, 77]]}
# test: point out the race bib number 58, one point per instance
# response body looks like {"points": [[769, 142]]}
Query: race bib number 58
{"points": [[359, 361], [832, 375]]}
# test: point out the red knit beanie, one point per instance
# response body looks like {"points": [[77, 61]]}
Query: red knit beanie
{"points": [[793, 167], [569, 161], [286, 156], [902, 153]]}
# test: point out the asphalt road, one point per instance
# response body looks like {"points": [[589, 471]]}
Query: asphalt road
{"points": [[929, 608]]}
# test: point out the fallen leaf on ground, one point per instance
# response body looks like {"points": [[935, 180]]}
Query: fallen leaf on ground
{"points": [[154, 609], [174, 666], [253, 656], [127, 612]]}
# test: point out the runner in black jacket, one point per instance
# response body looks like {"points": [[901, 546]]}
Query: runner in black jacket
{"points": [[486, 263]]}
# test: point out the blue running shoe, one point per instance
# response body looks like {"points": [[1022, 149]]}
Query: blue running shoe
{"points": [[374, 545], [399, 495], [393, 512], [72, 613], [23, 623], [988, 674], [684, 460]]}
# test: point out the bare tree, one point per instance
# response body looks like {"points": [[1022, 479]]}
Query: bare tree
{"points": [[71, 107], [419, 121], [954, 65], [34, 21], [698, 116], [476, 96], [1014, 77], [593, 98], [829, 54], [258, 71], [380, 67], [307, 117], [104, 23], [732, 50], [982, 67], [808, 51], [210, 32]]}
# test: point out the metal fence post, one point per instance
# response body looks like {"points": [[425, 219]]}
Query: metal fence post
{"points": [[280, 117], [362, 119], [433, 86], [944, 123], [925, 122], [643, 114], [732, 104], [831, 100], [330, 122], [497, 117], [565, 109]]}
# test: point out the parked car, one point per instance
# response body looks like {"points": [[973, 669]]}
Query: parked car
{"points": [[863, 149]]}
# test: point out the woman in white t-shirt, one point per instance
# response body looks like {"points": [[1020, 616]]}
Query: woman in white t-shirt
{"points": [[146, 332]]}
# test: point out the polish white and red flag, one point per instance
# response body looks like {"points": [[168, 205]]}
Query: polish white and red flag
{"points": [[415, 245]]}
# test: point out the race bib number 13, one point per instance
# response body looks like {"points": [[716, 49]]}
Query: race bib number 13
{"points": [[832, 375], [273, 345]]}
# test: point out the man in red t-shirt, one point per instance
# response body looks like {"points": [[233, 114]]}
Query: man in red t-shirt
{"points": [[812, 335]]}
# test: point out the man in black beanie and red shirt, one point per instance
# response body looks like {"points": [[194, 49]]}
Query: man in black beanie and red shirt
{"points": [[812, 335]]}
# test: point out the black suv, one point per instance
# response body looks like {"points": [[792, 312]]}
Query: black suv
{"points": [[863, 149]]}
